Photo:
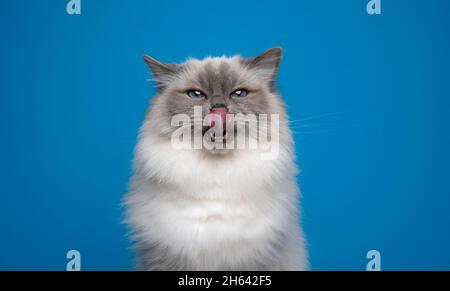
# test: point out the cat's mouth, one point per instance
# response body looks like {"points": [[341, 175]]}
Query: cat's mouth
{"points": [[218, 119], [214, 135]]}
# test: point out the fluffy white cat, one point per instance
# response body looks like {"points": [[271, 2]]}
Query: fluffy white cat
{"points": [[215, 209]]}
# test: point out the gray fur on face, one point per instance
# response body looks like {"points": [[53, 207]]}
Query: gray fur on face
{"points": [[217, 78]]}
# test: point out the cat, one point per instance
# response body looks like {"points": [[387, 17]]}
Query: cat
{"points": [[216, 208]]}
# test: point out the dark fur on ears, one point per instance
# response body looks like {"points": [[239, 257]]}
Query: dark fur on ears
{"points": [[162, 72], [268, 61]]}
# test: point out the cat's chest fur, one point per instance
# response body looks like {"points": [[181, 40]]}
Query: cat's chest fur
{"points": [[210, 214], [208, 234], [212, 224]]}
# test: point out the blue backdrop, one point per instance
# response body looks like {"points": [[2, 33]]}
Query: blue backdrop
{"points": [[369, 96]]}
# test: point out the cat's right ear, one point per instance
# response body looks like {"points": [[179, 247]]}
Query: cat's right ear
{"points": [[163, 73]]}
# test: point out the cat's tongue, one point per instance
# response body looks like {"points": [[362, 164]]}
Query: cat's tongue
{"points": [[218, 114]]}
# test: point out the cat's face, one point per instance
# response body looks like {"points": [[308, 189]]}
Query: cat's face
{"points": [[219, 87]]}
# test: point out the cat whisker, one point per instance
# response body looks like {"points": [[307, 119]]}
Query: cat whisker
{"points": [[315, 117]]}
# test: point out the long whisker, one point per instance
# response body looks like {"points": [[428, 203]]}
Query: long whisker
{"points": [[315, 116]]}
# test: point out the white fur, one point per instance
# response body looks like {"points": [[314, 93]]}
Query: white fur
{"points": [[218, 214]]}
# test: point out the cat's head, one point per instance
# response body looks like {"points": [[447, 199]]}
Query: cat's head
{"points": [[221, 91]]}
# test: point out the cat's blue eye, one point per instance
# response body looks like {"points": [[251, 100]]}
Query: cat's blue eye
{"points": [[195, 94], [239, 93]]}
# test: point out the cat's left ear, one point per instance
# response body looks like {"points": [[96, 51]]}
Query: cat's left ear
{"points": [[267, 63]]}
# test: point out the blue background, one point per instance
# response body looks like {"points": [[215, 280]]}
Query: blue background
{"points": [[369, 96]]}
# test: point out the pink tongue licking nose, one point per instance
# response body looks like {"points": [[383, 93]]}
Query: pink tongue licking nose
{"points": [[216, 115]]}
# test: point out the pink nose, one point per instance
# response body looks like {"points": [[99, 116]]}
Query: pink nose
{"points": [[218, 114]]}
